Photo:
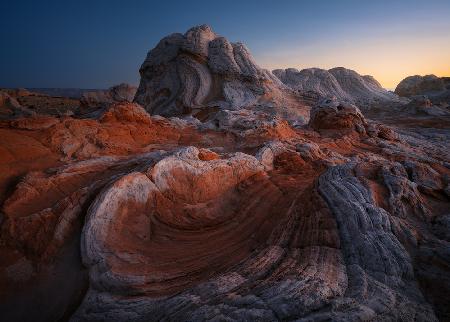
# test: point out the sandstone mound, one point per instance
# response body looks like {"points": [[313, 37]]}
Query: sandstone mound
{"points": [[344, 236], [422, 85], [316, 80], [330, 114], [342, 83], [436, 88], [178, 198], [200, 69]]}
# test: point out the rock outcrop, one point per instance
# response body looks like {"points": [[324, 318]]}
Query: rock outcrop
{"points": [[437, 89], [15, 103], [198, 69], [422, 105], [116, 94], [422, 85], [344, 84], [10, 107], [330, 114]]}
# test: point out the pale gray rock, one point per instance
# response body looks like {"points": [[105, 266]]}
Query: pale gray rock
{"points": [[316, 80], [375, 258], [344, 84], [200, 69]]}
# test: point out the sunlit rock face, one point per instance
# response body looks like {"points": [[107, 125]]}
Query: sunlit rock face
{"points": [[239, 211], [344, 84], [200, 69]]}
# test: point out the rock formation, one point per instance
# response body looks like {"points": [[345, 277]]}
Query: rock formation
{"points": [[344, 84], [185, 73], [331, 114], [119, 93], [437, 89], [422, 85], [16, 103], [213, 201], [10, 107]]}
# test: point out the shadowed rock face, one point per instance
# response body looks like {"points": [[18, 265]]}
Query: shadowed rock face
{"points": [[15, 103], [422, 85], [119, 93], [437, 89], [238, 214], [10, 107]]}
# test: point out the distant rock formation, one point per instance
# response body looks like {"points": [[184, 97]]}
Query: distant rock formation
{"points": [[62, 92], [422, 85], [201, 69], [10, 107], [344, 84], [119, 93], [91, 103], [436, 88]]}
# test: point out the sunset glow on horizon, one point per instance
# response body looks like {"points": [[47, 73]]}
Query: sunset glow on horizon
{"points": [[388, 47], [389, 59], [388, 72]]}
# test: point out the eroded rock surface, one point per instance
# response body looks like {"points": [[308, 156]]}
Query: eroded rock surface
{"points": [[436, 87], [189, 72], [330, 114], [97, 99], [344, 84]]}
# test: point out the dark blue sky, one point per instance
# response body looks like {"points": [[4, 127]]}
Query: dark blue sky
{"points": [[96, 44]]}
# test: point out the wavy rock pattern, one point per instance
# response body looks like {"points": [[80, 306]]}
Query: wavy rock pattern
{"points": [[200, 69], [331, 253], [344, 84], [379, 268]]}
